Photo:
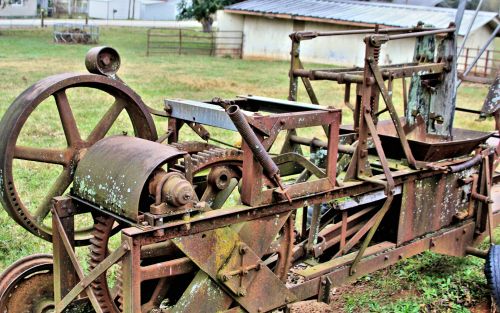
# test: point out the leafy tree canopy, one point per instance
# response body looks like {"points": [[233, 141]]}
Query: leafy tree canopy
{"points": [[202, 10]]}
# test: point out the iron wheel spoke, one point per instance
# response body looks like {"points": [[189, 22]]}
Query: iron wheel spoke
{"points": [[58, 188], [44, 155], [67, 118], [106, 122]]}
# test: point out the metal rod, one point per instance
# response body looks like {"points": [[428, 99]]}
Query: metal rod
{"points": [[310, 35], [459, 15], [320, 144], [477, 252], [478, 56], [319, 75], [423, 33], [469, 29]]}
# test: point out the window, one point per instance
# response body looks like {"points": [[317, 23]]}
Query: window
{"points": [[16, 3]]}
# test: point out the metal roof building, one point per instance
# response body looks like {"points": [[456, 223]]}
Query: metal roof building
{"points": [[266, 25], [359, 13]]}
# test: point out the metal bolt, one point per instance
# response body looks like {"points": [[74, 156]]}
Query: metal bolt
{"points": [[243, 249], [242, 292], [224, 277]]}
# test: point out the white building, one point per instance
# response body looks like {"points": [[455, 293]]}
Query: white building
{"points": [[266, 25], [18, 8], [159, 10]]}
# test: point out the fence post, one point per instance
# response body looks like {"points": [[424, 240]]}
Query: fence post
{"points": [[466, 58], [486, 63], [42, 11], [241, 45], [149, 40], [180, 41], [212, 47]]}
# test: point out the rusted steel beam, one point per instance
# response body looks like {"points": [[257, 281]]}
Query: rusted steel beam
{"points": [[320, 144], [167, 269], [324, 75], [452, 241]]}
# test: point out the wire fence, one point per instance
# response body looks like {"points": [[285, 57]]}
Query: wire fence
{"points": [[189, 41], [76, 33]]}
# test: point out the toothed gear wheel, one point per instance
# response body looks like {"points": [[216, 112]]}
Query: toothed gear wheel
{"points": [[212, 157], [103, 228]]}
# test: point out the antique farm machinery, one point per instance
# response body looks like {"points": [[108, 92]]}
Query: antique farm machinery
{"points": [[191, 226]]}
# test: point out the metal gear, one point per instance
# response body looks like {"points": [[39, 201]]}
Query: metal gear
{"points": [[11, 149], [98, 252], [28, 285]]}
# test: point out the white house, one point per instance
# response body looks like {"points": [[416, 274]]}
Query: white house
{"points": [[266, 25], [18, 8], [160, 10]]}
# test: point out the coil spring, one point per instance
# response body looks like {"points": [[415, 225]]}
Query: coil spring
{"points": [[376, 53]]}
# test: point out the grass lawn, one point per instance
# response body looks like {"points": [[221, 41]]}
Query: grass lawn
{"points": [[428, 282]]}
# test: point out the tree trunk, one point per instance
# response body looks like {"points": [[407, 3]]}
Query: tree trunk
{"points": [[207, 24]]}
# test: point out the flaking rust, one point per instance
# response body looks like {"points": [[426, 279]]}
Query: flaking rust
{"points": [[206, 228]]}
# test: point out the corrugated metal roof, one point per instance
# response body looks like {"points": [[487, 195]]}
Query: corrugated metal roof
{"points": [[427, 3], [365, 12]]}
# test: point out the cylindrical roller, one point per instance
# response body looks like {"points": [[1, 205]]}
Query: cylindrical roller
{"points": [[102, 61], [252, 141]]}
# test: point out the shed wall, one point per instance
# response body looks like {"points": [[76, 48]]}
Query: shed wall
{"points": [[100, 9], [268, 38], [28, 8], [166, 11]]}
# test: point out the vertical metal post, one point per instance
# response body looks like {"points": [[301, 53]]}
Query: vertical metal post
{"points": [[241, 44], [469, 28], [405, 96], [486, 63], [466, 58], [180, 41], [42, 18], [459, 15], [333, 139], [212, 46], [131, 263], [65, 276], [343, 230], [149, 40], [294, 64]]}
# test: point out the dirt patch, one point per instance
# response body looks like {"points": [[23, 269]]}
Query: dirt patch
{"points": [[483, 307], [310, 307]]}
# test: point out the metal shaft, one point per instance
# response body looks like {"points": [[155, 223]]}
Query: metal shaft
{"points": [[260, 153]]}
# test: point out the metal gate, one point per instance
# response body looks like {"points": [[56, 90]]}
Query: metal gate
{"points": [[189, 41]]}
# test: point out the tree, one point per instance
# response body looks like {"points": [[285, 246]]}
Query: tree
{"points": [[201, 10]]}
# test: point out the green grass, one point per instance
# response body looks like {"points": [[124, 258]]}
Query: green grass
{"points": [[430, 283]]}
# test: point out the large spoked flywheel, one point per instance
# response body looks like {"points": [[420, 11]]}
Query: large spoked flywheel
{"points": [[23, 205]]}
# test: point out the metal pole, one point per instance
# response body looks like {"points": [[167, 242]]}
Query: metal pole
{"points": [[469, 29], [460, 15], [473, 63]]}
